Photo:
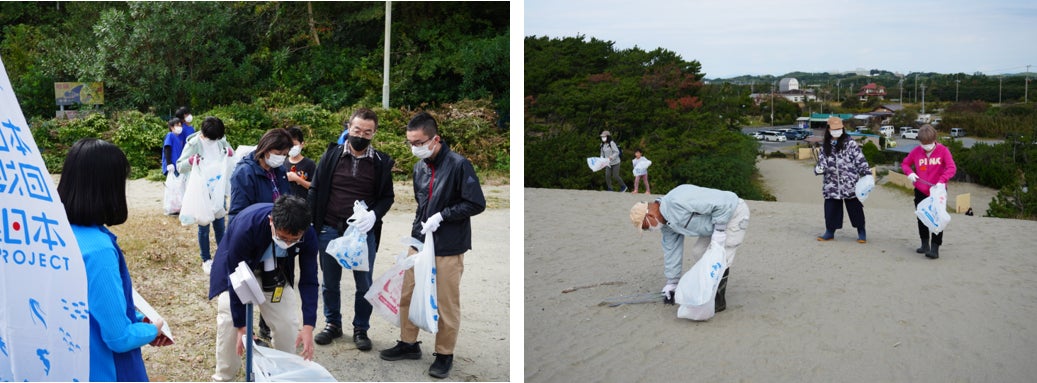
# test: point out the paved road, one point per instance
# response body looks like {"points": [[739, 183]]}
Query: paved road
{"points": [[903, 144]]}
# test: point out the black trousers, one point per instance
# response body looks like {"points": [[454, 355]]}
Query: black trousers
{"points": [[834, 213], [923, 231]]}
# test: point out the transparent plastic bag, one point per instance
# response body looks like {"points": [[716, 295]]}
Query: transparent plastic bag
{"points": [[386, 291], [196, 207], [932, 211], [351, 248], [864, 186], [173, 198], [597, 163]]}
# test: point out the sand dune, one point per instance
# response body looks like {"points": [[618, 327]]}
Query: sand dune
{"points": [[798, 309]]}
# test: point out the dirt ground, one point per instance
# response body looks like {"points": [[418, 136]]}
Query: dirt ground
{"points": [[163, 259]]}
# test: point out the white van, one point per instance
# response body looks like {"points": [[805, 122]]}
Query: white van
{"points": [[957, 132], [886, 130], [770, 135]]}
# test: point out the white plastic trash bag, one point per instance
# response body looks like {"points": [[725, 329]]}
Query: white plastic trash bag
{"points": [[864, 186], [698, 287], [932, 211], [196, 207], [597, 163], [272, 365], [172, 200], [216, 184], [641, 166], [386, 291], [424, 309], [351, 248]]}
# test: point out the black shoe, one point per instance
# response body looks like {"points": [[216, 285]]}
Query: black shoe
{"points": [[329, 333], [402, 350], [934, 252], [441, 367], [363, 343], [264, 330], [720, 304], [621, 191], [924, 249]]}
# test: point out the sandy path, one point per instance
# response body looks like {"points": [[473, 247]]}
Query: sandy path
{"points": [[798, 310]]}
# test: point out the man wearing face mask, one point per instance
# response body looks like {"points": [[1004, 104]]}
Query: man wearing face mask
{"points": [[927, 165], [346, 173], [711, 215], [842, 163], [260, 176], [448, 195], [269, 238]]}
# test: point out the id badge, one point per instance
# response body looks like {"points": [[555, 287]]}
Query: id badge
{"points": [[276, 297]]}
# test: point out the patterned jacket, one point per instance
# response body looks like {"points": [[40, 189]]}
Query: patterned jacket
{"points": [[842, 169]]}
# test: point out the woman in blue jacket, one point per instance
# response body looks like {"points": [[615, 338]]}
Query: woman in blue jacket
{"points": [[93, 191], [260, 175]]}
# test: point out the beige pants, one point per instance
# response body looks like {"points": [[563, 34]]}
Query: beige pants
{"points": [[284, 319], [448, 296]]}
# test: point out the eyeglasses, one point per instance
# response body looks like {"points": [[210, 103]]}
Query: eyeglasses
{"points": [[420, 143], [290, 243], [355, 131]]}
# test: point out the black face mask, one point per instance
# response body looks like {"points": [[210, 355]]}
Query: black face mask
{"points": [[359, 143]]}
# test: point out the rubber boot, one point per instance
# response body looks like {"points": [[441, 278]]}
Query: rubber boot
{"points": [[924, 249], [934, 252], [721, 303]]}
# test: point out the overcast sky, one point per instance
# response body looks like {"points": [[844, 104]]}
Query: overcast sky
{"points": [[737, 37]]}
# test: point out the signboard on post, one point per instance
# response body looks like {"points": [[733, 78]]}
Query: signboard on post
{"points": [[44, 315], [87, 93]]}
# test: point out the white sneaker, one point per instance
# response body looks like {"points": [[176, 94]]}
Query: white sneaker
{"points": [[207, 266]]}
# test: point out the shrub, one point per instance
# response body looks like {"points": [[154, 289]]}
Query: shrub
{"points": [[140, 136]]}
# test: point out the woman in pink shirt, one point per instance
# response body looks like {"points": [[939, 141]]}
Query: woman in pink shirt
{"points": [[927, 165]]}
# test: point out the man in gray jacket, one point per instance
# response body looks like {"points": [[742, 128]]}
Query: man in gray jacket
{"points": [[688, 210]]}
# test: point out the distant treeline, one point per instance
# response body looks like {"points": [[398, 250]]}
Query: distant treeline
{"points": [[156, 56], [655, 101]]}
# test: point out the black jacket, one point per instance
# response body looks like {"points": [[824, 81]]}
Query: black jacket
{"points": [[320, 188], [455, 194]]}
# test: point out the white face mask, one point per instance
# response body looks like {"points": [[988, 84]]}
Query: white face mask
{"points": [[423, 151], [295, 151], [836, 132], [281, 244], [178, 129], [929, 147], [604, 139], [275, 160], [658, 224], [189, 118]]}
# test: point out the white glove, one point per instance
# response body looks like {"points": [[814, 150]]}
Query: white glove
{"points": [[913, 177], [719, 236], [668, 293], [364, 222], [431, 224], [170, 168], [819, 169]]}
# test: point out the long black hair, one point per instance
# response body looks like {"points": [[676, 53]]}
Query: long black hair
{"points": [[840, 142], [93, 183]]}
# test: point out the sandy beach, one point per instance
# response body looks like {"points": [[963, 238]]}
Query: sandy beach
{"points": [[798, 310]]}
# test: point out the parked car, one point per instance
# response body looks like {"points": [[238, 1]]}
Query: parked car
{"points": [[886, 130], [957, 132], [799, 134], [910, 133], [755, 135], [770, 135], [904, 129]]}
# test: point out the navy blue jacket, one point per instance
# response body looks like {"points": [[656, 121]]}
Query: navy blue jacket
{"points": [[447, 184], [247, 238], [249, 184]]}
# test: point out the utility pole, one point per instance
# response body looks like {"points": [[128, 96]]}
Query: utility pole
{"points": [[923, 98], [772, 105], [1000, 79], [916, 87], [1026, 91], [956, 82], [385, 60]]}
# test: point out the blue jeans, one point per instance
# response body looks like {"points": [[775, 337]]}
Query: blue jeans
{"points": [[331, 270], [203, 237]]}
